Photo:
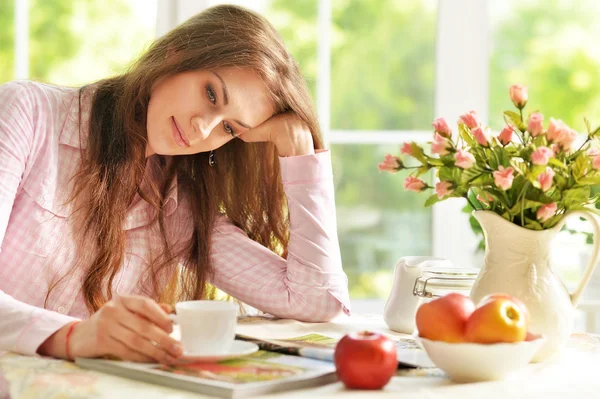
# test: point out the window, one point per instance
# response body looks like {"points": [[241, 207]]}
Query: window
{"points": [[74, 42], [7, 40], [382, 89], [379, 72]]}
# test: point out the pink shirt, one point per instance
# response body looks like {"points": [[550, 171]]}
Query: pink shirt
{"points": [[40, 152]]}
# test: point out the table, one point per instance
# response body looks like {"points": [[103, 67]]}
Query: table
{"points": [[572, 374]]}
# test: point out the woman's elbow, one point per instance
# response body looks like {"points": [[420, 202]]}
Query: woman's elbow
{"points": [[322, 310]]}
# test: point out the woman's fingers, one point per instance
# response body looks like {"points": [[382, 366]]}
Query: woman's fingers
{"points": [[168, 309], [264, 131], [151, 333], [149, 309], [124, 352], [140, 347]]}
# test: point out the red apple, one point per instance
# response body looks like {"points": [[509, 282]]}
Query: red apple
{"points": [[365, 360], [498, 320], [517, 301], [444, 319]]}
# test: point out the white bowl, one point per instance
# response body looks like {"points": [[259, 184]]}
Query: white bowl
{"points": [[470, 362]]}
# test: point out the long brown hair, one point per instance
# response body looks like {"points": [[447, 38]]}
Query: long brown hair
{"points": [[244, 184]]}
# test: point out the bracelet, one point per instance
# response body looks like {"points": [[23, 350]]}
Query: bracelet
{"points": [[71, 327]]}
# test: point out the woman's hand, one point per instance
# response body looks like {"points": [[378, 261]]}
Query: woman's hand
{"points": [[132, 328], [287, 131]]}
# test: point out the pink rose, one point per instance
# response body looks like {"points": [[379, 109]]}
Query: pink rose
{"points": [[567, 138], [441, 127], [503, 178], [505, 136], [554, 128], [464, 159], [482, 136], [561, 134], [440, 144], [546, 212], [518, 95], [406, 149], [536, 124], [555, 148], [545, 179], [486, 198], [411, 183], [596, 162], [541, 156], [443, 188], [390, 164], [469, 119], [592, 152]]}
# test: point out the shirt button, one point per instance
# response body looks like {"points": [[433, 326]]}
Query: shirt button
{"points": [[61, 310]]}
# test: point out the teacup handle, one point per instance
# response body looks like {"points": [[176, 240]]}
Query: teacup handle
{"points": [[575, 296]]}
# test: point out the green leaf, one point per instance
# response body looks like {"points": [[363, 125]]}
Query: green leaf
{"points": [[447, 173], [533, 224], [432, 200], [514, 119], [465, 133], [435, 162], [527, 204], [538, 196], [482, 180], [423, 169], [561, 181], [581, 166], [575, 197], [590, 180], [553, 221], [471, 174], [417, 152], [540, 141], [475, 226], [557, 163]]}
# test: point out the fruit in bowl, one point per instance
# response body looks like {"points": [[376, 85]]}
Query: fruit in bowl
{"points": [[444, 319], [493, 342], [497, 320], [471, 362]]}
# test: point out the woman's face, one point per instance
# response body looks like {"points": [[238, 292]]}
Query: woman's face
{"points": [[201, 110]]}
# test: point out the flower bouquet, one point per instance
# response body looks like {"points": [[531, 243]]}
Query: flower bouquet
{"points": [[529, 174], [523, 184]]}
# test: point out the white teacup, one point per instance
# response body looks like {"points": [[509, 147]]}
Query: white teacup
{"points": [[207, 327]]}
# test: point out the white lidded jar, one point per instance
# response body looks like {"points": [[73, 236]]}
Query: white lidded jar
{"points": [[401, 306], [435, 282], [421, 280]]}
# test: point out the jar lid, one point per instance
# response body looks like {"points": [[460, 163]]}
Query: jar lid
{"points": [[444, 279]]}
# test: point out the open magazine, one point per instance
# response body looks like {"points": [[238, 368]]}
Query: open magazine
{"points": [[321, 347], [257, 374], [293, 355]]}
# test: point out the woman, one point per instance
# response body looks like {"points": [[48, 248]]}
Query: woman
{"points": [[191, 158]]}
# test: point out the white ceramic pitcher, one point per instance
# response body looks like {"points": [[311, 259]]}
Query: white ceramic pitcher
{"points": [[517, 263]]}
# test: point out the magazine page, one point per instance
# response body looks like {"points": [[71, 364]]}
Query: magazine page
{"points": [[300, 339], [261, 372]]}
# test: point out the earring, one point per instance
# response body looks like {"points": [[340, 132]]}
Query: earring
{"points": [[211, 158]]}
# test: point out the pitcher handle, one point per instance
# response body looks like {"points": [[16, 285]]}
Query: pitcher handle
{"points": [[575, 296]]}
